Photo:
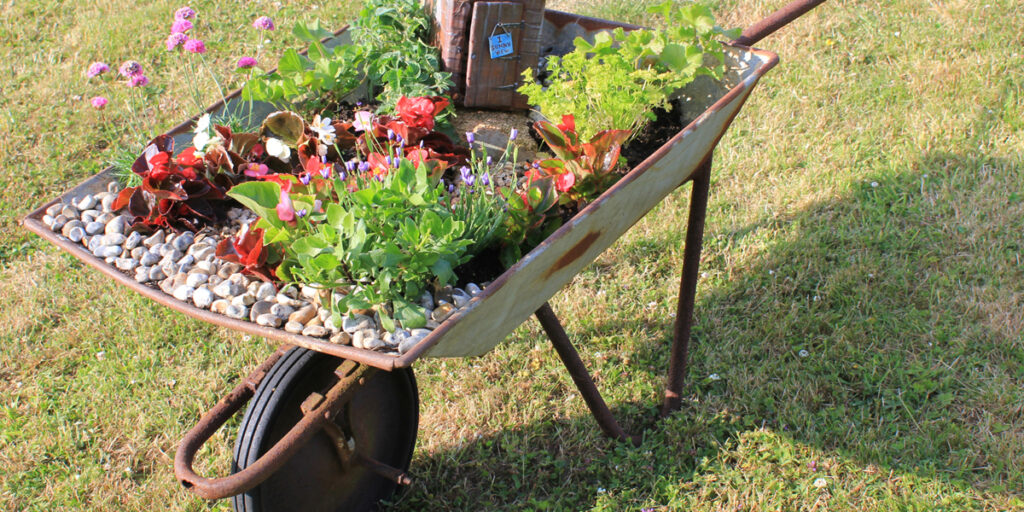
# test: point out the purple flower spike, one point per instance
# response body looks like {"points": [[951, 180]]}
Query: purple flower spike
{"points": [[465, 172], [175, 40], [489, 161], [264, 23], [350, 165], [97, 69], [181, 26], [364, 166], [391, 134], [301, 213], [388, 160], [130, 68], [304, 178], [342, 175], [195, 46], [184, 13], [246, 62], [398, 161], [536, 165], [485, 180], [325, 171], [513, 134], [451, 188], [421, 144], [470, 137]]}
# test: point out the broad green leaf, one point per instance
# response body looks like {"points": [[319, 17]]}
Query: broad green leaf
{"points": [[261, 197]]}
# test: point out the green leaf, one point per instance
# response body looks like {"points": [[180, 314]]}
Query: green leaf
{"points": [[409, 314], [261, 197], [290, 62]]}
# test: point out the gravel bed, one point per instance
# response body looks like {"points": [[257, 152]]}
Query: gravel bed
{"points": [[184, 266]]}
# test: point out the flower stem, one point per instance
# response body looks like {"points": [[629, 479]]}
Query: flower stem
{"points": [[215, 81]]}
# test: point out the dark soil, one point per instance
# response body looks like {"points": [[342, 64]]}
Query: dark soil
{"points": [[484, 267], [652, 137]]}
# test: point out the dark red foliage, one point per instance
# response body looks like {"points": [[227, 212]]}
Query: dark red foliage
{"points": [[174, 193], [248, 250]]}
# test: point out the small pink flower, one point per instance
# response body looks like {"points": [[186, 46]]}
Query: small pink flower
{"points": [[138, 81], [130, 68], [181, 26], [97, 69], [175, 40], [255, 170], [285, 210], [195, 46], [184, 13], [99, 102], [246, 62], [363, 121], [264, 23]]}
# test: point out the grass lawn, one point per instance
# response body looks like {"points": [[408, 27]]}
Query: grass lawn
{"points": [[859, 342]]}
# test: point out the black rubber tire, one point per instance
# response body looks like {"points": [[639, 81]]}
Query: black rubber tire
{"points": [[382, 418]]}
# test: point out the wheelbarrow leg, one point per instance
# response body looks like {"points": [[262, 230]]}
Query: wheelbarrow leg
{"points": [[580, 376], [687, 289]]}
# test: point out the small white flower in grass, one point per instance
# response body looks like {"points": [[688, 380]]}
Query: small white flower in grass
{"points": [[600, 489], [816, 298], [714, 376], [925, 176], [803, 353], [278, 149], [101, 355], [874, 184], [820, 482], [771, 272]]}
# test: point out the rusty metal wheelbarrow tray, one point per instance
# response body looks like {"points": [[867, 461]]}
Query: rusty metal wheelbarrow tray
{"points": [[521, 290]]}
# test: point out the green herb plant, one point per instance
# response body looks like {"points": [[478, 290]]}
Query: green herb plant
{"points": [[617, 81], [380, 246]]}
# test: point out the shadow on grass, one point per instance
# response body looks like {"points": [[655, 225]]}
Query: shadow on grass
{"points": [[866, 329]]}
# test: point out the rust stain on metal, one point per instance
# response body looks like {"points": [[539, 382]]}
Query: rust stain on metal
{"points": [[575, 252]]}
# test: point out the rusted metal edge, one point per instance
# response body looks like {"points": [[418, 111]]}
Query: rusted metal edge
{"points": [[350, 377], [775, 21], [561, 18], [423, 347]]}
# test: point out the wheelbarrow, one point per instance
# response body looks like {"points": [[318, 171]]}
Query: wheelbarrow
{"points": [[333, 427]]}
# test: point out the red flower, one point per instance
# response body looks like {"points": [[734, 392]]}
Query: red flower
{"points": [[564, 181], [420, 112], [188, 158], [568, 123]]}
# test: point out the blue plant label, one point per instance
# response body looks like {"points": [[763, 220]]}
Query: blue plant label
{"points": [[501, 45]]}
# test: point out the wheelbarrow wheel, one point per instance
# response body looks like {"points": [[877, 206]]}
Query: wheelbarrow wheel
{"points": [[381, 421]]}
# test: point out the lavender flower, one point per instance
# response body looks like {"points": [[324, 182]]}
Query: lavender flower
{"points": [[181, 26], [397, 161], [513, 134], [301, 213], [364, 166], [264, 23], [451, 188], [138, 81], [97, 69], [99, 102], [388, 160], [391, 134], [470, 137], [246, 62], [130, 68], [350, 165], [489, 161], [342, 175], [305, 178], [175, 40], [184, 13], [195, 46], [325, 171], [485, 180]]}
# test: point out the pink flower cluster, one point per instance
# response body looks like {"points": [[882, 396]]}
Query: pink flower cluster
{"points": [[179, 29], [264, 23], [97, 69]]}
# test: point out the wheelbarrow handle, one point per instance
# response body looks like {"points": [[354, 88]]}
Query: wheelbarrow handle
{"points": [[350, 375], [775, 21]]}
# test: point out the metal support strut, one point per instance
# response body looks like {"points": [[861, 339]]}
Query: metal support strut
{"points": [[580, 376], [687, 289], [681, 330]]}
